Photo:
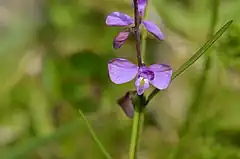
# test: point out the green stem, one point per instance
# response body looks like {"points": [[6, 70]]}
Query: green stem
{"points": [[94, 136], [144, 41], [202, 83], [194, 58], [138, 119], [137, 125]]}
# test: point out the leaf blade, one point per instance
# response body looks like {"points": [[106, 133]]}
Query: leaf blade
{"points": [[196, 56], [202, 50]]}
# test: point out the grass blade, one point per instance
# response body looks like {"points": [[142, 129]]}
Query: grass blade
{"points": [[94, 136], [196, 56]]}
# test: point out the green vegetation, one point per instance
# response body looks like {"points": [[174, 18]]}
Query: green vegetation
{"points": [[53, 62]]}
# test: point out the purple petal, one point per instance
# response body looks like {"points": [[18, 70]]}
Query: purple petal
{"points": [[141, 6], [154, 29], [141, 84], [121, 70], [120, 39], [162, 75], [118, 19]]}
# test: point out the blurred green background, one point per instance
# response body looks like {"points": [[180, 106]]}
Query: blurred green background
{"points": [[53, 61]]}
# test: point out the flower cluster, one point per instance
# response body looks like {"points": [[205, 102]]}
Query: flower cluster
{"points": [[124, 20], [121, 70]]}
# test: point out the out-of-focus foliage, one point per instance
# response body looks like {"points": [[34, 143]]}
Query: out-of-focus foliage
{"points": [[53, 61]]}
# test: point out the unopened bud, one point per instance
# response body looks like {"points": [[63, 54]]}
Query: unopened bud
{"points": [[120, 39], [126, 103]]}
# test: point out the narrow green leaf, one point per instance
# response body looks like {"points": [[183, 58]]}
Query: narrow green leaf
{"points": [[202, 50], [196, 56], [94, 136]]}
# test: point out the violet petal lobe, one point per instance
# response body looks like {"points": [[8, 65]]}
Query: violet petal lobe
{"points": [[162, 75], [141, 6], [154, 29], [118, 19], [120, 39], [141, 84], [121, 70]]}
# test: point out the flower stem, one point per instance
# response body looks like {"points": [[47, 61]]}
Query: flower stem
{"points": [[202, 83], [201, 51], [137, 21], [139, 105], [194, 57], [144, 41], [94, 136], [137, 125]]}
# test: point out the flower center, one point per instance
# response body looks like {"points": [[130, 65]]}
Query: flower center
{"points": [[146, 74], [143, 81]]}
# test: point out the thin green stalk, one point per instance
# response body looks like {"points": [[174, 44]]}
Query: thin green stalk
{"points": [[202, 83], [94, 136], [137, 125], [143, 44], [144, 41], [195, 57], [138, 120]]}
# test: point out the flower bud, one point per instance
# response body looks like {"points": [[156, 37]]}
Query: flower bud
{"points": [[120, 39], [126, 103]]}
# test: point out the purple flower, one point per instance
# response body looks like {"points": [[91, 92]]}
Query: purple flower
{"points": [[122, 71], [122, 19], [141, 6]]}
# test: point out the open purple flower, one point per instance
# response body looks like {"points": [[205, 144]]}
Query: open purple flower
{"points": [[122, 71], [122, 19]]}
